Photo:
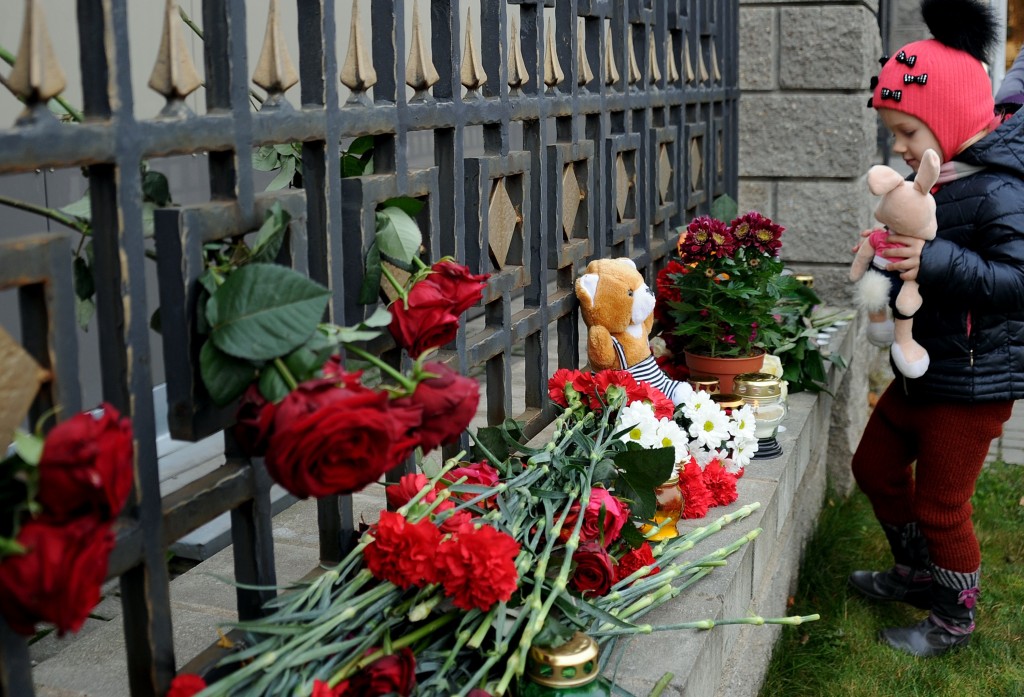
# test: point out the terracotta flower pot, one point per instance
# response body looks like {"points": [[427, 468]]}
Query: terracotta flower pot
{"points": [[725, 368]]}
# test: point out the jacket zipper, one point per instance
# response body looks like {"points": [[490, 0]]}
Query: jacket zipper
{"points": [[970, 347]]}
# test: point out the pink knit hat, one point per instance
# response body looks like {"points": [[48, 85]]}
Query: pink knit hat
{"points": [[946, 88], [942, 81]]}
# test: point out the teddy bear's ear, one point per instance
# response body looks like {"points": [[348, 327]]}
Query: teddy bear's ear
{"points": [[928, 172], [882, 179], [586, 288]]}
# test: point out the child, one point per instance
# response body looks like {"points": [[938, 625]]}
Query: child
{"points": [[936, 94]]}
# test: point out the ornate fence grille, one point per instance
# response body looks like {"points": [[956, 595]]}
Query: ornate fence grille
{"points": [[605, 124]]}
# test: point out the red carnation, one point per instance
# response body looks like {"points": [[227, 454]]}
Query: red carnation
{"points": [[58, 578], [403, 552], [332, 440], [720, 483], [86, 466], [696, 497], [322, 689], [448, 400], [595, 570], [633, 560], [424, 319], [463, 289], [662, 405], [477, 567], [186, 685]]}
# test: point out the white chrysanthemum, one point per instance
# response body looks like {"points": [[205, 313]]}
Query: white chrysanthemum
{"points": [[710, 426], [694, 402], [742, 424], [704, 456], [672, 435], [643, 426], [743, 450]]}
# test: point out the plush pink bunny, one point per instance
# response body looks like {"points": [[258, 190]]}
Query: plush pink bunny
{"points": [[906, 208]]}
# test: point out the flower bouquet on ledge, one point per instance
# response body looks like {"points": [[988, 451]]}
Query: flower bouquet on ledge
{"points": [[497, 552]]}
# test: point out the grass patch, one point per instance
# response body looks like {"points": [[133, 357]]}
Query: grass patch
{"points": [[841, 656]]}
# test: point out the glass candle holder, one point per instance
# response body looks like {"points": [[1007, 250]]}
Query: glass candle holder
{"points": [[706, 383], [763, 392], [568, 670], [669, 510], [727, 402]]}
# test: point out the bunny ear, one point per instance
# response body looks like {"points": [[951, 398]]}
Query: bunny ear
{"points": [[586, 287], [882, 179], [928, 172]]}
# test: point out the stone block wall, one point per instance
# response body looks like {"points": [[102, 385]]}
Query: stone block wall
{"points": [[806, 141]]}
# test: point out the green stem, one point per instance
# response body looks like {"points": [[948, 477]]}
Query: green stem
{"points": [[407, 384], [399, 288], [286, 374], [51, 213], [199, 32]]}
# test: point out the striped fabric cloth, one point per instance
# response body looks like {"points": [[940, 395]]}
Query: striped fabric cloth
{"points": [[650, 372]]}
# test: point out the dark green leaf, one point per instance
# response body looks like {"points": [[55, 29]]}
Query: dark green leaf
{"points": [[266, 159], [225, 377], [305, 361], [724, 208], [632, 536], [284, 177], [154, 321], [360, 146], [492, 440], [641, 471], [85, 286], [155, 189], [370, 289], [398, 235], [553, 633], [81, 209], [84, 310], [272, 385], [263, 311], [410, 205], [271, 235]]}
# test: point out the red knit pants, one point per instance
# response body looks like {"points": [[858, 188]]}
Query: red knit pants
{"points": [[949, 441]]}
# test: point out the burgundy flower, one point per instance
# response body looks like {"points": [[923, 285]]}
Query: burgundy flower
{"points": [[448, 402], [463, 289], [705, 238], [58, 578], [394, 674], [756, 231], [595, 570], [86, 466], [334, 440], [602, 521]]}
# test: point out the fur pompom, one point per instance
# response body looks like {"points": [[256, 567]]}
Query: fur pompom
{"points": [[872, 291], [967, 25]]}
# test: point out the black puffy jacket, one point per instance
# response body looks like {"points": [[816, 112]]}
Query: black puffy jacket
{"points": [[972, 277]]}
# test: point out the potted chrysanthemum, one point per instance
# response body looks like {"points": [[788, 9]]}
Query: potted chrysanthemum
{"points": [[717, 298]]}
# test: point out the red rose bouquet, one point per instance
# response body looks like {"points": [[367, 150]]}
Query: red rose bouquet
{"points": [[62, 494]]}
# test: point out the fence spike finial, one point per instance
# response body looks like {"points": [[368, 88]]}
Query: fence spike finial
{"points": [[586, 74], [174, 75], [420, 73], [673, 70], [37, 75], [702, 68], [654, 72], [634, 67], [357, 73], [517, 73], [611, 71], [716, 74], [552, 68], [472, 73], [275, 71], [687, 62]]}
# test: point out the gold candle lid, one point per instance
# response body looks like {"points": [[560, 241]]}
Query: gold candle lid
{"points": [[727, 401], [708, 383], [805, 279], [673, 478], [572, 664], [757, 386]]}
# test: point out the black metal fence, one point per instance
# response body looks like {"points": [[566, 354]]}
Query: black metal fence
{"points": [[605, 124]]}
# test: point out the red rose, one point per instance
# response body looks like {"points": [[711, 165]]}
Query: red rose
{"points": [[322, 689], [333, 440], [602, 521], [58, 578], [696, 496], [635, 559], [449, 403], [408, 486], [595, 571], [403, 552], [463, 289], [186, 685], [253, 421], [334, 370], [477, 567], [720, 483], [86, 466], [424, 320], [392, 674], [476, 474]]}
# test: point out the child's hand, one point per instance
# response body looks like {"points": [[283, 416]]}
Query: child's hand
{"points": [[864, 234], [906, 257]]}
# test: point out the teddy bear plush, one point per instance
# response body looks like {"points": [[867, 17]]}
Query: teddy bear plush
{"points": [[906, 208], [618, 309]]}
